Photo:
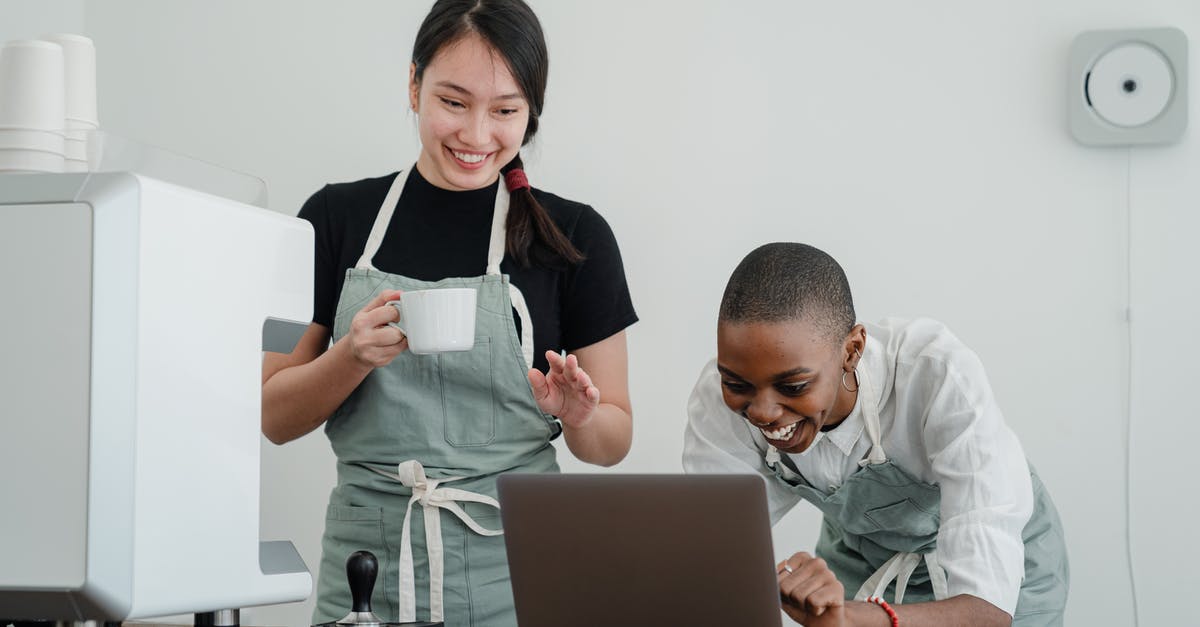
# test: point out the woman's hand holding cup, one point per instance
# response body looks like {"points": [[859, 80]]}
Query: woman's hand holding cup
{"points": [[373, 341], [566, 391]]}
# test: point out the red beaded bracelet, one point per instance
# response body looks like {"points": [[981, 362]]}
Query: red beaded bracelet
{"points": [[887, 608]]}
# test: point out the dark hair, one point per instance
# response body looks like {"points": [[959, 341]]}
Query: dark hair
{"points": [[513, 31], [788, 281]]}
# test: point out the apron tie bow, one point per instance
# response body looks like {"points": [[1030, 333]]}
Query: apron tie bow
{"points": [[412, 475], [432, 497]]}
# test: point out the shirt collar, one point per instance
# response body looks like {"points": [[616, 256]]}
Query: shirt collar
{"points": [[846, 435]]}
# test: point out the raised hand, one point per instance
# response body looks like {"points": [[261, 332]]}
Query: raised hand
{"points": [[566, 391], [810, 593]]}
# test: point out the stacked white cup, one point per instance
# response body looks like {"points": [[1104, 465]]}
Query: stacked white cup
{"points": [[47, 103], [32, 107], [79, 56]]}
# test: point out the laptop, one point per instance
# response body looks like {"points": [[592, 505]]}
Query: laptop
{"points": [[639, 550]]}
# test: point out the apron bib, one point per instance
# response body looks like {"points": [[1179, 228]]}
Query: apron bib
{"points": [[419, 445], [879, 532]]}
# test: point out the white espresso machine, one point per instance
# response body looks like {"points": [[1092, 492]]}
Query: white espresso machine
{"points": [[135, 312]]}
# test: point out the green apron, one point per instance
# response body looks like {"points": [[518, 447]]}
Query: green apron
{"points": [[432, 433], [882, 523]]}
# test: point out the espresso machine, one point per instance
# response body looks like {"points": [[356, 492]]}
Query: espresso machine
{"points": [[136, 312]]}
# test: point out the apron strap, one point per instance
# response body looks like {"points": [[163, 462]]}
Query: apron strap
{"points": [[911, 561], [382, 218], [775, 461], [937, 576], [866, 396], [497, 244], [499, 238], [900, 569], [518, 302], [427, 492]]}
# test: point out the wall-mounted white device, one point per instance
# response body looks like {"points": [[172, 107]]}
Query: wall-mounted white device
{"points": [[1128, 87], [136, 312]]}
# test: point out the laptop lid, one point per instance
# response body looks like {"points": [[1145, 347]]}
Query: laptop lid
{"points": [[633, 550]]}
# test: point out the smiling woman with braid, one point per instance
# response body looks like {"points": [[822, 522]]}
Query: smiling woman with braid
{"points": [[548, 279]]}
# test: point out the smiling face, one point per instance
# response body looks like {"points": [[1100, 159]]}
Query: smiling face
{"points": [[472, 115], [785, 377]]}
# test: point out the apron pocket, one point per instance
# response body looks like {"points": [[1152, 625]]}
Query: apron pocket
{"points": [[348, 529], [904, 517], [468, 401]]}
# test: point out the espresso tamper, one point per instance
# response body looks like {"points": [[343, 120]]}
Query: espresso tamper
{"points": [[361, 570]]}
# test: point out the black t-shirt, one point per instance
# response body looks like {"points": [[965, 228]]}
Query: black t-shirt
{"points": [[437, 233]]}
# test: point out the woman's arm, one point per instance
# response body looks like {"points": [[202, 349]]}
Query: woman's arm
{"points": [[986, 494], [963, 609], [589, 392], [811, 595], [302, 389], [986, 491]]}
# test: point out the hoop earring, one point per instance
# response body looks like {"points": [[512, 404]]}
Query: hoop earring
{"points": [[846, 372]]}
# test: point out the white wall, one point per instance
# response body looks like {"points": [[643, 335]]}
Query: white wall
{"points": [[924, 145], [1164, 193], [29, 19]]}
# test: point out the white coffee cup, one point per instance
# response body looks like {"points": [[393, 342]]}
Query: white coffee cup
{"points": [[437, 320], [32, 86], [79, 71]]}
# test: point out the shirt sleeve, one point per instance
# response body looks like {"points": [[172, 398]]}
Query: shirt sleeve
{"points": [[718, 441], [986, 490], [596, 301], [316, 211]]}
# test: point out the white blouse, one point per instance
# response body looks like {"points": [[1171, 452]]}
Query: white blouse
{"points": [[938, 421]]}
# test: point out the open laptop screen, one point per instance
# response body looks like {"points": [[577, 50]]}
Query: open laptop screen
{"points": [[633, 550]]}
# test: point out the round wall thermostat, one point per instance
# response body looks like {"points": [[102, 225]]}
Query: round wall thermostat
{"points": [[1129, 87]]}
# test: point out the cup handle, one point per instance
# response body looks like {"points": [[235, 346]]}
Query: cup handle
{"points": [[397, 324]]}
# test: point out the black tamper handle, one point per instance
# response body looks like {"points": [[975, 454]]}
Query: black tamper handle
{"points": [[361, 570]]}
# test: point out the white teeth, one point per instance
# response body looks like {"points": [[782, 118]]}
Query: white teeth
{"points": [[469, 158], [782, 433]]}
